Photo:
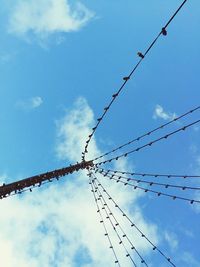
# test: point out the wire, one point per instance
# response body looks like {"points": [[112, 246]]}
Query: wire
{"points": [[184, 176], [150, 183], [148, 144], [127, 78], [117, 224], [104, 205], [158, 193], [133, 224], [148, 133], [104, 226]]}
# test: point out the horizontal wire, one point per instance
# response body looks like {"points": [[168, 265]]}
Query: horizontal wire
{"points": [[133, 224], [102, 221], [147, 144], [184, 176], [147, 133], [104, 205], [150, 183], [117, 224], [115, 95], [158, 193]]}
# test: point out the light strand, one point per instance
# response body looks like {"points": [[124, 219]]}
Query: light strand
{"points": [[117, 224], [155, 175], [104, 226], [158, 193], [133, 224], [150, 183], [137, 139], [148, 144], [127, 78]]}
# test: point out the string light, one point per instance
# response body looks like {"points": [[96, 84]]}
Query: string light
{"points": [[150, 183], [116, 224], [147, 190], [139, 138], [156, 175], [103, 223], [163, 32], [155, 248], [147, 144]]}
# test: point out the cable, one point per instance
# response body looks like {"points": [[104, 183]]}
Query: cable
{"points": [[115, 95], [117, 224], [146, 190], [150, 183], [148, 133], [133, 224], [184, 176], [104, 226], [148, 144], [104, 205]]}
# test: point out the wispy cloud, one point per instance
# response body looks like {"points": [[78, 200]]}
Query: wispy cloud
{"points": [[172, 240], [6, 57], [30, 104], [189, 259], [42, 18], [159, 112]]}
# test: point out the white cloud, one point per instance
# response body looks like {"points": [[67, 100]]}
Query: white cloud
{"points": [[45, 17], [73, 130], [51, 225], [31, 103], [171, 238], [159, 112], [189, 259], [36, 102]]}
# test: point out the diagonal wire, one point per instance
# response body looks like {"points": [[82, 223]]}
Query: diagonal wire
{"points": [[148, 144], [133, 224], [34, 186], [104, 204], [158, 193], [104, 226], [110, 213], [19, 192], [148, 133], [150, 183], [156, 175], [115, 95]]}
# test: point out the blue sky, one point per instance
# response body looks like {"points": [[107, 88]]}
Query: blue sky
{"points": [[60, 63]]}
